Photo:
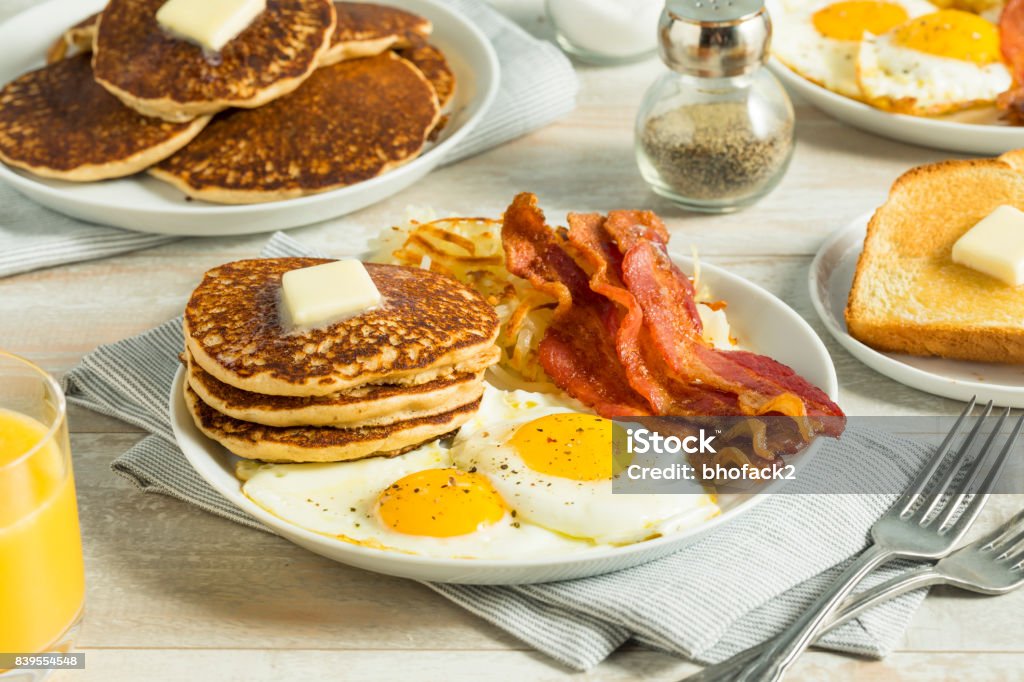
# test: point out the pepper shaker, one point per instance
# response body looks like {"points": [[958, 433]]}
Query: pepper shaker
{"points": [[715, 133]]}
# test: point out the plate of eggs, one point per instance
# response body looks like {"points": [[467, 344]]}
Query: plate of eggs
{"points": [[522, 493], [915, 71]]}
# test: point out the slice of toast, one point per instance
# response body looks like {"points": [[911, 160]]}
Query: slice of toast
{"points": [[908, 296]]}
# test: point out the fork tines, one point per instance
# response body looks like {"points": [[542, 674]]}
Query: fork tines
{"points": [[935, 490]]}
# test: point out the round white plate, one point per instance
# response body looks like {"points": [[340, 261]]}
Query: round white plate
{"points": [[145, 204], [830, 279], [759, 320], [973, 132]]}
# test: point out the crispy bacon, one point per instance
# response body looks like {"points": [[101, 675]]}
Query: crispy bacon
{"points": [[645, 370], [629, 228], [758, 381], [578, 349], [626, 339]]}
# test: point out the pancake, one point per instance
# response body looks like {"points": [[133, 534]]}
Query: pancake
{"points": [[56, 122], [430, 326], [432, 63], [364, 29], [78, 39], [348, 123], [311, 444], [365, 406], [159, 75]]}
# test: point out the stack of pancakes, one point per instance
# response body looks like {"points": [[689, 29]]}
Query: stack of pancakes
{"points": [[380, 383], [312, 96]]}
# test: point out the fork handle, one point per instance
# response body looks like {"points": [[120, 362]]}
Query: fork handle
{"points": [[784, 650], [920, 577]]}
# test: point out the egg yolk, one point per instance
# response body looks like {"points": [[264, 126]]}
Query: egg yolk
{"points": [[567, 445], [953, 34], [440, 503], [850, 20]]}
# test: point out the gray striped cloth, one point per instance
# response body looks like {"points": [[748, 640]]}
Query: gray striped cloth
{"points": [[740, 584], [538, 86]]}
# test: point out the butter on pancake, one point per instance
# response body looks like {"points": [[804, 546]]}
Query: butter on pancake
{"points": [[324, 444], [429, 326], [348, 123], [160, 75], [365, 29], [376, 405], [76, 40], [56, 122]]}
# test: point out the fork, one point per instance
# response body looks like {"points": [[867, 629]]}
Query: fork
{"points": [[991, 565], [926, 522]]}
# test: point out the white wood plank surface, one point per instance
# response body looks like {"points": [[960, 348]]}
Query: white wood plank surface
{"points": [[176, 594]]}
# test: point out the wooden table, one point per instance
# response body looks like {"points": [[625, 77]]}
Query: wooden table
{"points": [[175, 593]]}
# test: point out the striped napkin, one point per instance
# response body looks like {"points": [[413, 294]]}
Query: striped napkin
{"points": [[538, 85], [742, 583]]}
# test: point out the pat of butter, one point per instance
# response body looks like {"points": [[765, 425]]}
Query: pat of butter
{"points": [[328, 292], [995, 246], [211, 24]]}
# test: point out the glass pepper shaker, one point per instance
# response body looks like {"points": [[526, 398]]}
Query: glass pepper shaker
{"points": [[715, 133]]}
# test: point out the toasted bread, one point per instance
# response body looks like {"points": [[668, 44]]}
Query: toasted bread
{"points": [[909, 296]]}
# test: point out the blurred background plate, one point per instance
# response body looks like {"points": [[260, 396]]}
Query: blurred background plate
{"points": [[971, 132], [144, 204], [831, 277]]}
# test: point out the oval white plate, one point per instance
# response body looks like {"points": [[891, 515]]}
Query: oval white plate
{"points": [[971, 132], [830, 279], [759, 320], [145, 204]]}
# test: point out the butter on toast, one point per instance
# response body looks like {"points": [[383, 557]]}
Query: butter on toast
{"points": [[909, 296]]}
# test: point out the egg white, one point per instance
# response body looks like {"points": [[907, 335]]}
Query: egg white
{"points": [[339, 500], [581, 509], [822, 60], [912, 82]]}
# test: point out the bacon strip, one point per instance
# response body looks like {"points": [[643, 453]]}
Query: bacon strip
{"points": [[758, 381], [645, 370], [578, 348], [629, 228]]}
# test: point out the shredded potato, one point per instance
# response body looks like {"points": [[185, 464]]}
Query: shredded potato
{"points": [[470, 250]]}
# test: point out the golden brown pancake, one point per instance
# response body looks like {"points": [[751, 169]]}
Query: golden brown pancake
{"points": [[312, 444], [77, 38], [57, 122], [160, 75], [377, 405], [348, 123], [429, 326], [364, 29], [432, 63]]}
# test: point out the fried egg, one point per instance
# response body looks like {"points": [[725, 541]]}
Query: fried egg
{"points": [[819, 39], [937, 63], [553, 465], [989, 9], [416, 503]]}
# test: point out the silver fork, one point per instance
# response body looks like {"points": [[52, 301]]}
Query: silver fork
{"points": [[926, 522], [992, 565]]}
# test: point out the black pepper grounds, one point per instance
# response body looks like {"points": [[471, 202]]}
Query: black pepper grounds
{"points": [[710, 151]]}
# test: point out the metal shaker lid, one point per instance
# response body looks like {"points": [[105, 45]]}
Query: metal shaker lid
{"points": [[714, 38]]}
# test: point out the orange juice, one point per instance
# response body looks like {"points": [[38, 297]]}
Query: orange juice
{"points": [[42, 584]]}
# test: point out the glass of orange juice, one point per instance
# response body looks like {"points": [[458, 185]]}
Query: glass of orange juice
{"points": [[42, 579]]}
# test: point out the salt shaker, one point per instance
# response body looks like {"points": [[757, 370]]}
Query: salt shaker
{"points": [[606, 32], [715, 133]]}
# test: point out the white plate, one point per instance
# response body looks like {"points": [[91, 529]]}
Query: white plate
{"points": [[145, 204], [972, 132], [760, 321], [830, 279]]}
